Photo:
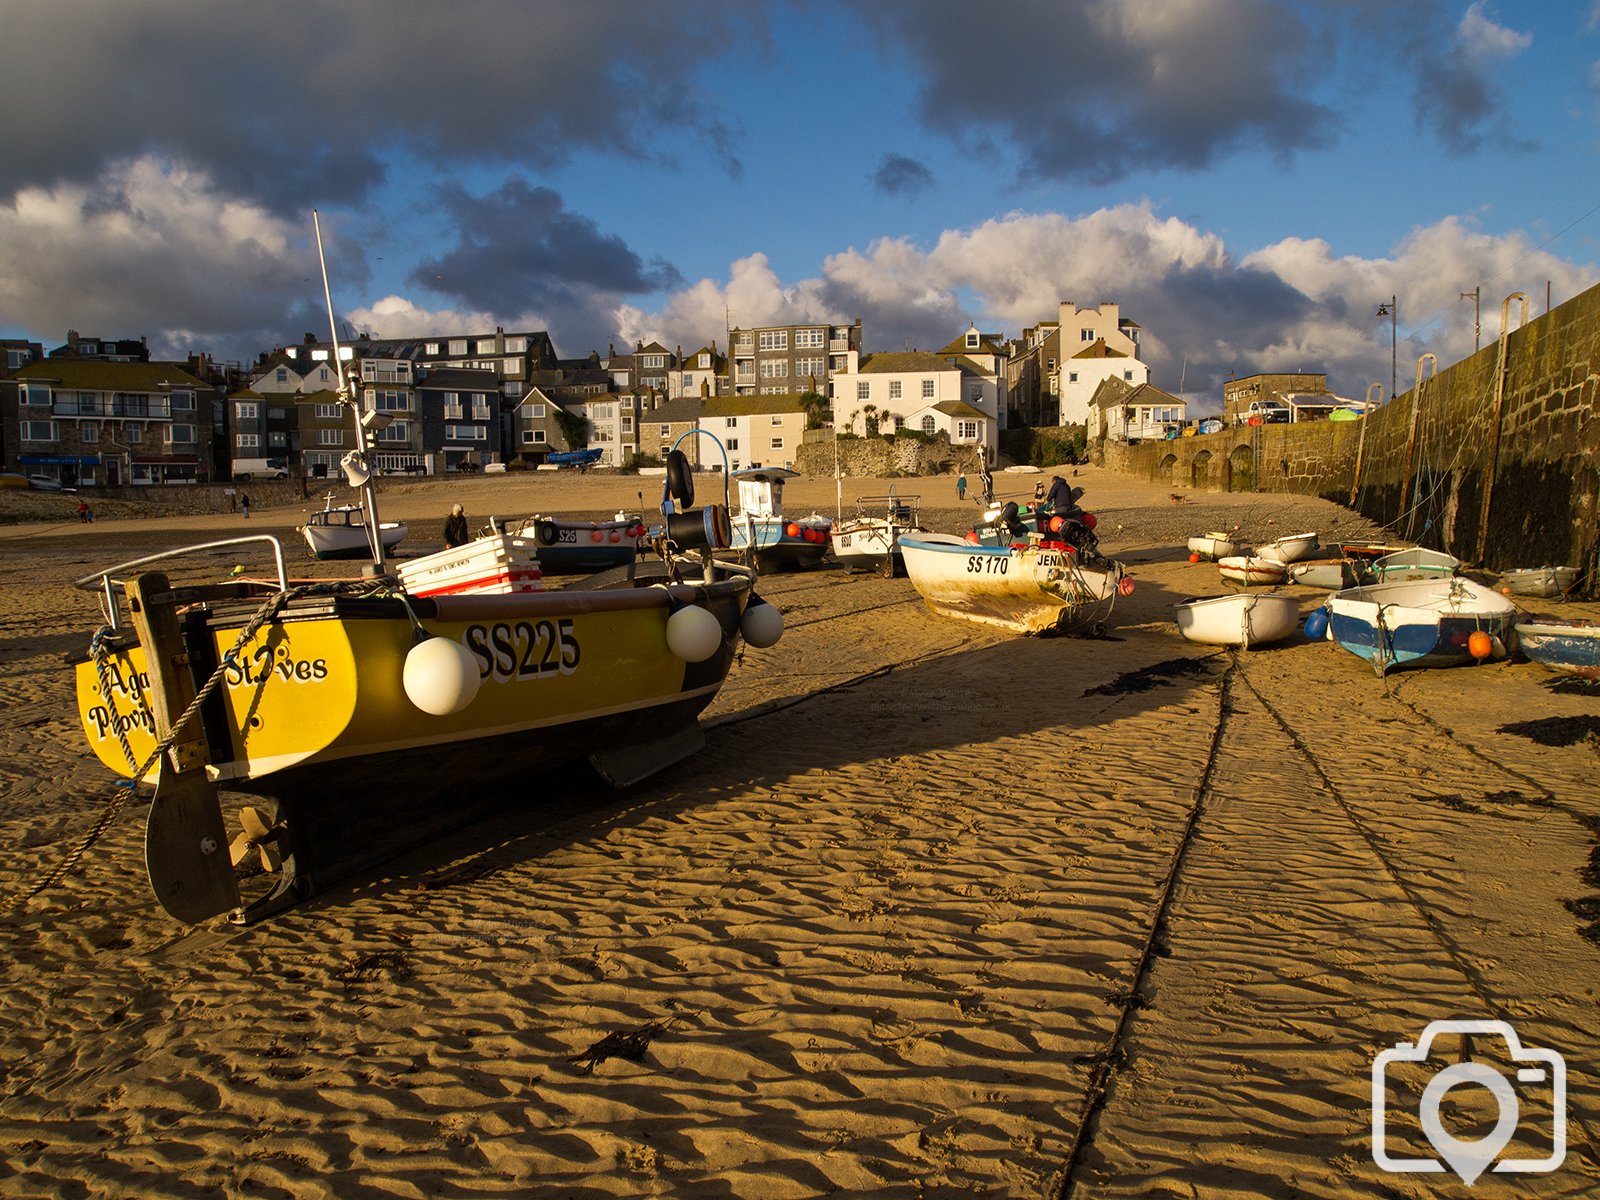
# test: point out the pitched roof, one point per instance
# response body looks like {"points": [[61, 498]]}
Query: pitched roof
{"points": [[960, 408], [99, 375], [751, 406], [912, 361], [1099, 349], [1144, 393], [673, 412]]}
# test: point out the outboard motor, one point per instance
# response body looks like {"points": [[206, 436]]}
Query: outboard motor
{"points": [[1013, 524]]}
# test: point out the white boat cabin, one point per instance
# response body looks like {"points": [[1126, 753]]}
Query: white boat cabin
{"points": [[761, 491]]}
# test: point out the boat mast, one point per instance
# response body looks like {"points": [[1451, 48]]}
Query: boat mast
{"points": [[359, 464]]}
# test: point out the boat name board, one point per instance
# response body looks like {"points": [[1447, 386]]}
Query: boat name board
{"points": [[508, 650]]}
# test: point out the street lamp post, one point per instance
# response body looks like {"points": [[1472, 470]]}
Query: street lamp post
{"points": [[1391, 310], [1476, 295]]}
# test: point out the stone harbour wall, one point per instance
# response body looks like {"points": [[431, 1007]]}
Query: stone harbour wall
{"points": [[1495, 459]]}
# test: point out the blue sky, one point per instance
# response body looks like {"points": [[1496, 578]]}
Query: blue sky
{"points": [[1248, 180]]}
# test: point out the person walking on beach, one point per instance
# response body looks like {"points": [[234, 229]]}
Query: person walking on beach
{"points": [[84, 514], [455, 528], [244, 504], [961, 486]]}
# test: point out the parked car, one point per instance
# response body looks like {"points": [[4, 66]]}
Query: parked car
{"points": [[45, 483]]}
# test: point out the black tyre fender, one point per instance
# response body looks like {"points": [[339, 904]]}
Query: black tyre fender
{"points": [[680, 478]]}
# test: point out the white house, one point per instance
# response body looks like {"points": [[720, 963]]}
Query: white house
{"points": [[1096, 345], [927, 392]]}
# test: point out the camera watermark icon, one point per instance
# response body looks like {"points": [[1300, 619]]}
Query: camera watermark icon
{"points": [[1470, 1158]]}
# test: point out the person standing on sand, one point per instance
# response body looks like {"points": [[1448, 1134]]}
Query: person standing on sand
{"points": [[961, 486], [987, 480], [244, 504], [455, 528]]}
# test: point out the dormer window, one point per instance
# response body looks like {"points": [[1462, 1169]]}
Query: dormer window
{"points": [[972, 339]]}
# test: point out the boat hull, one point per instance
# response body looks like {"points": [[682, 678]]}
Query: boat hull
{"points": [[1419, 623], [583, 547], [777, 549], [1213, 546], [315, 714], [872, 544], [1252, 571], [1289, 549], [1565, 647], [1546, 582], [1415, 563], [1034, 589], [1246, 620], [1333, 574], [350, 541]]}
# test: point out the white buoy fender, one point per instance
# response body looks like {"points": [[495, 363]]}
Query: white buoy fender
{"points": [[693, 634], [762, 623], [441, 677]]}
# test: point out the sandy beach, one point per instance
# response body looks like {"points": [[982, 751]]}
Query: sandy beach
{"points": [[938, 912]]}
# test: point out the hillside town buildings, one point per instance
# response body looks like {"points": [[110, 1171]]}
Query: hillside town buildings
{"points": [[97, 411]]}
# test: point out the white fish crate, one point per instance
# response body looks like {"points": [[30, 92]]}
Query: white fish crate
{"points": [[496, 565]]}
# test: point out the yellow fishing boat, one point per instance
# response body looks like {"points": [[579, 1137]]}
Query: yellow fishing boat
{"points": [[373, 719]]}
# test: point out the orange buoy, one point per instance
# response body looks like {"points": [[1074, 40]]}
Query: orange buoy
{"points": [[1194, 558], [1480, 645], [597, 536], [792, 529]]}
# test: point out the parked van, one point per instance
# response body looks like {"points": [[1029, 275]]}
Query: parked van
{"points": [[260, 468], [1265, 412]]}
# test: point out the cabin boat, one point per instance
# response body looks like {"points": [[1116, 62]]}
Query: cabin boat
{"points": [[870, 540], [1030, 587], [1422, 622], [777, 541], [340, 531]]}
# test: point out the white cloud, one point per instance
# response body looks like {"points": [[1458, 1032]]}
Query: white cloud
{"points": [[1483, 40], [150, 249]]}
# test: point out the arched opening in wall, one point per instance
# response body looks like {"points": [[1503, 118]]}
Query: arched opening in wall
{"points": [[1166, 468], [1200, 470], [1242, 470]]}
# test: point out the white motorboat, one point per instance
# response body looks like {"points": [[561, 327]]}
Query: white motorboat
{"points": [[1243, 619], [870, 540], [1253, 571], [340, 531]]}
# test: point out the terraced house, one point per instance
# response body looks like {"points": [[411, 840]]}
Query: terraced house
{"points": [[93, 422]]}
